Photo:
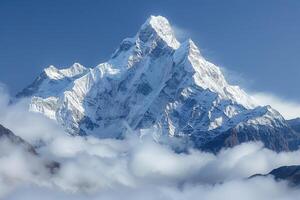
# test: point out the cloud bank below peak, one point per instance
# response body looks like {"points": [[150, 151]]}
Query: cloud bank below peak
{"points": [[91, 168]]}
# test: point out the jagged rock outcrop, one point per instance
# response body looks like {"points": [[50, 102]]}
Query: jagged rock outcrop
{"points": [[285, 173]]}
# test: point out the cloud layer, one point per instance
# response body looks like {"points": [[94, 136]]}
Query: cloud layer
{"points": [[132, 168]]}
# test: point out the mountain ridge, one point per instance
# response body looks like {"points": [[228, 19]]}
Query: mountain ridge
{"points": [[291, 174]]}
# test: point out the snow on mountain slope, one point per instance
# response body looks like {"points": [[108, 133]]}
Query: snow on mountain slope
{"points": [[52, 81], [151, 80]]}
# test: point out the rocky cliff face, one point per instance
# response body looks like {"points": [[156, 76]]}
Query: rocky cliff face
{"points": [[153, 82], [295, 124]]}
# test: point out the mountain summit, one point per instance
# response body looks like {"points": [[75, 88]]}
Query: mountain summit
{"points": [[153, 81], [159, 26]]}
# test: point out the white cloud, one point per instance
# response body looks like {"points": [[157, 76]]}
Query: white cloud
{"points": [[132, 168], [289, 109], [258, 188]]}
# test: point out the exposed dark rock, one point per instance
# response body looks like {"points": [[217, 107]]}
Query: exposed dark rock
{"points": [[277, 140], [286, 173], [295, 124]]}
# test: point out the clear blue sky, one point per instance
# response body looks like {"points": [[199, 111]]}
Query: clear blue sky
{"points": [[258, 40]]}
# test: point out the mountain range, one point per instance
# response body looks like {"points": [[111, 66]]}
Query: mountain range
{"points": [[153, 84]]}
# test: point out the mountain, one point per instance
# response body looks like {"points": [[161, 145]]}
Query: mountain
{"points": [[154, 82], [287, 173], [6, 134]]}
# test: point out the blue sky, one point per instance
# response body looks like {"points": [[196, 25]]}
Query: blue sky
{"points": [[256, 41]]}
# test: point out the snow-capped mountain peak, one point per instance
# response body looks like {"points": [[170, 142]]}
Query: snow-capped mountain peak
{"points": [[155, 37], [76, 69], [52, 81], [53, 73], [151, 80], [158, 26]]}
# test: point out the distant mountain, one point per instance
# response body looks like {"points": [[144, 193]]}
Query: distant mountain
{"points": [[153, 82], [287, 173], [6, 134]]}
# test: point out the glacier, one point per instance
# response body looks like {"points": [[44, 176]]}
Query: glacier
{"points": [[154, 82]]}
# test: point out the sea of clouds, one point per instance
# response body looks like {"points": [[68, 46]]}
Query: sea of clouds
{"points": [[132, 168]]}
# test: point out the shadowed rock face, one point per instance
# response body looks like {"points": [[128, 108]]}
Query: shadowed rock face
{"points": [[286, 173], [295, 124], [11, 137], [280, 139], [289, 173]]}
